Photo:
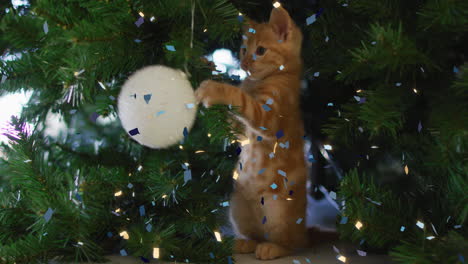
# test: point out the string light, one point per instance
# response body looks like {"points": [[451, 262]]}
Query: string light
{"points": [[358, 225], [117, 210], [218, 236], [240, 14], [118, 193], [124, 234], [235, 176], [342, 258], [141, 14], [156, 253], [209, 135], [358, 91], [205, 30], [199, 151], [276, 4], [164, 196], [415, 91], [406, 169], [181, 147]]}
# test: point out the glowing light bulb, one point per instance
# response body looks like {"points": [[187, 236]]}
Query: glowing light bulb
{"points": [[358, 225], [124, 234], [118, 193], [218, 236], [156, 253], [235, 176], [141, 14], [276, 4]]}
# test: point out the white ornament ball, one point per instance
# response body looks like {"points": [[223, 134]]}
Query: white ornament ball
{"points": [[156, 104]]}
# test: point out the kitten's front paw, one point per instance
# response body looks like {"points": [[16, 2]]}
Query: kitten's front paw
{"points": [[268, 250], [209, 93], [244, 246]]}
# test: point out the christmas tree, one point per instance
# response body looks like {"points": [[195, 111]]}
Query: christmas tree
{"points": [[386, 92]]}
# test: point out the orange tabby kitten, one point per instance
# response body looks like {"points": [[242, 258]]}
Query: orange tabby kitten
{"points": [[269, 199]]}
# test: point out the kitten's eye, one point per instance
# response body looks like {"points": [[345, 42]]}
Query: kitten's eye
{"points": [[260, 51]]}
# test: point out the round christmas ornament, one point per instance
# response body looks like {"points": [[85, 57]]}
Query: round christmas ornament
{"points": [[157, 106]]}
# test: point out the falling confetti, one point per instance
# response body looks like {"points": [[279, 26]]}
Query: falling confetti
{"points": [[266, 107], [48, 214], [123, 252], [45, 27], [317, 74], [282, 173], [361, 253], [251, 30], [299, 221], [149, 227], [274, 186], [402, 229], [310, 20], [140, 21], [279, 134], [134, 132], [344, 220], [170, 48], [261, 171], [269, 101], [142, 210], [420, 224], [124, 234], [147, 98]]}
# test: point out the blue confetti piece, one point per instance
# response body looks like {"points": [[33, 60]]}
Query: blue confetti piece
{"points": [[317, 74], [281, 67], [160, 113], [225, 204], [259, 138], [212, 255], [147, 98], [185, 132], [310, 20], [275, 197], [330, 104], [78, 197], [170, 48], [264, 220], [45, 27], [261, 171], [357, 98], [320, 11], [299, 221], [274, 186], [134, 132], [229, 260], [137, 40], [461, 258], [373, 42], [142, 210], [190, 106], [455, 69], [295, 261], [238, 150], [93, 117], [363, 100], [279, 134], [282, 173], [140, 21], [149, 227], [123, 252], [187, 176], [402, 229], [344, 220], [266, 107], [262, 201], [263, 128], [251, 30], [48, 214], [269, 101], [130, 185], [311, 158], [109, 234], [398, 84], [272, 155]]}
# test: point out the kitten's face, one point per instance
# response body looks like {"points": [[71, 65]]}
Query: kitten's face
{"points": [[269, 47]]}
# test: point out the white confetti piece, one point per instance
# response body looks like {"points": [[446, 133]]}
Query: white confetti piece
{"points": [[317, 74], [45, 27], [361, 253], [420, 224]]}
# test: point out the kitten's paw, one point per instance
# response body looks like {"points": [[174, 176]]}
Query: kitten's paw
{"points": [[244, 246], [207, 93], [268, 250]]}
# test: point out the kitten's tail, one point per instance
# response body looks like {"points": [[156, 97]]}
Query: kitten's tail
{"points": [[318, 236]]}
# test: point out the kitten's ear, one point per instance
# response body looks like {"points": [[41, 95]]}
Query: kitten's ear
{"points": [[281, 23]]}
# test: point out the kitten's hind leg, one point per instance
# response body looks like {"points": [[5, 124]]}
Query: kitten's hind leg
{"points": [[243, 220]]}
